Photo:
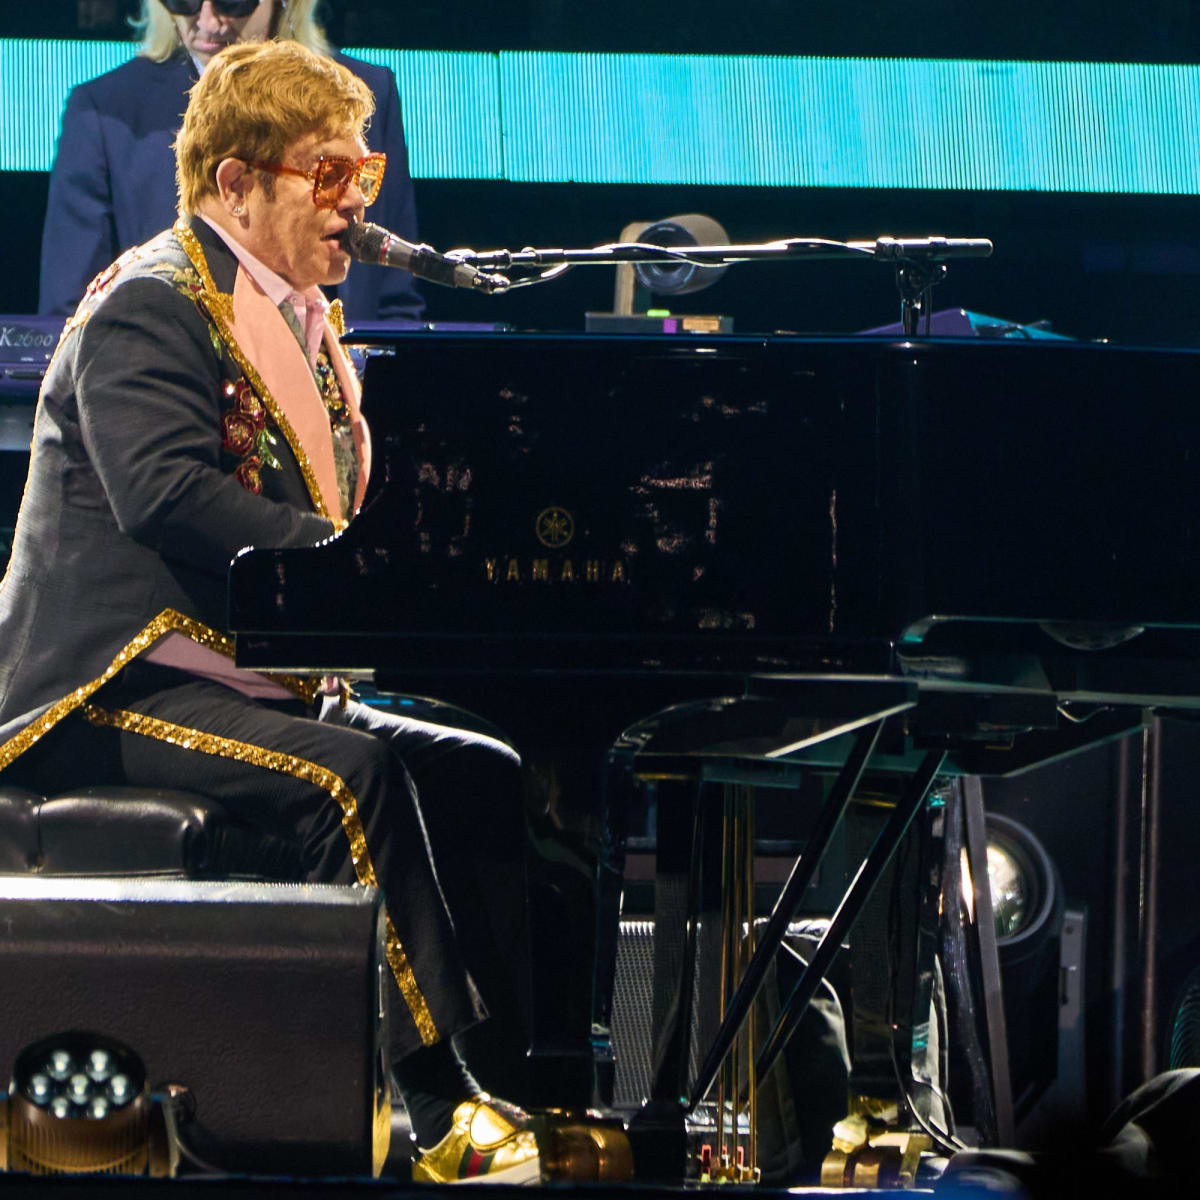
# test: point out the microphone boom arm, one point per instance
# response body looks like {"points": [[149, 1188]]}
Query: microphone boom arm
{"points": [[888, 249], [919, 262]]}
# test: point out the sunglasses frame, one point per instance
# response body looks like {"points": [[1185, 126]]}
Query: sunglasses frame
{"points": [[323, 162], [221, 7], [224, 8]]}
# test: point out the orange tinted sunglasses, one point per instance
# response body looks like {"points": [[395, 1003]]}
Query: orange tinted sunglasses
{"points": [[332, 176]]}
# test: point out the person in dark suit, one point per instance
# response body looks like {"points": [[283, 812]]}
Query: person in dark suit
{"points": [[112, 185], [199, 401]]}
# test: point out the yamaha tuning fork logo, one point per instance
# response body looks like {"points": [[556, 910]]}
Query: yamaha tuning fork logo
{"points": [[555, 527]]}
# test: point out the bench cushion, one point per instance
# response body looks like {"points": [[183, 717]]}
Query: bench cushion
{"points": [[138, 831]]}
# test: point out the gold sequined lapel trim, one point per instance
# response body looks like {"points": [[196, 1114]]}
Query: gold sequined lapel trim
{"points": [[300, 768], [336, 316], [167, 621], [220, 307]]}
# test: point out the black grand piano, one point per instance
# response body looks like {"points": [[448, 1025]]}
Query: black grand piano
{"points": [[739, 547]]}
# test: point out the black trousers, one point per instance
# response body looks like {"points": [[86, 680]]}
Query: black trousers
{"points": [[373, 796]]}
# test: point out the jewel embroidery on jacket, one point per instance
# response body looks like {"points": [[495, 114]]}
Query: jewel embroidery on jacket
{"points": [[187, 282], [103, 281], [345, 458], [244, 434], [331, 390]]}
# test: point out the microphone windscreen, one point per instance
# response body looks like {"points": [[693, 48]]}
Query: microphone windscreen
{"points": [[364, 241]]}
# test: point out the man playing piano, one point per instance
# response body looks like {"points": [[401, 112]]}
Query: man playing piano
{"points": [[199, 402]]}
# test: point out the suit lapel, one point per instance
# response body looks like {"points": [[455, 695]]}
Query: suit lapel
{"points": [[352, 396], [264, 336]]}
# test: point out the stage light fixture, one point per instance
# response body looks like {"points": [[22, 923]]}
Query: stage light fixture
{"points": [[78, 1103], [1010, 886], [635, 284], [1021, 879]]}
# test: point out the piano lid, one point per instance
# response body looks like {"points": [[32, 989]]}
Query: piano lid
{"points": [[750, 503]]}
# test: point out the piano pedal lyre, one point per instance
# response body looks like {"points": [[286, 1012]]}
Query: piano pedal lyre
{"points": [[583, 1149], [734, 1159], [870, 1151]]}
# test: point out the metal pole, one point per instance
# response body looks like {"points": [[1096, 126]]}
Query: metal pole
{"points": [[1118, 967], [671, 1065], [751, 1046], [1149, 916]]}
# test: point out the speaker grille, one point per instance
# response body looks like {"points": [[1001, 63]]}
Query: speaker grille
{"points": [[636, 1009], [633, 1012]]}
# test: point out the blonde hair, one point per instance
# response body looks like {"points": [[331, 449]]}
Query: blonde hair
{"points": [[253, 101], [294, 20]]}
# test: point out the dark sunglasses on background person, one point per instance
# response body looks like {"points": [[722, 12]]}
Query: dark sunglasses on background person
{"points": [[223, 8]]}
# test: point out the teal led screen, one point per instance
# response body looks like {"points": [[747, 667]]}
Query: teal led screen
{"points": [[733, 120]]}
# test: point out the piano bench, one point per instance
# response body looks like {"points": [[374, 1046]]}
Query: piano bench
{"points": [[137, 831]]}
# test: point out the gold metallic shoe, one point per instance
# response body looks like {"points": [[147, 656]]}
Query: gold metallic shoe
{"points": [[488, 1143]]}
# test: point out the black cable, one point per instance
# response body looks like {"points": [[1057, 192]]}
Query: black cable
{"points": [[177, 1112], [1064, 710], [542, 277]]}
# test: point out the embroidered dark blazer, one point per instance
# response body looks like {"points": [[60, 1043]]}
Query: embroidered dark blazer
{"points": [[137, 496]]}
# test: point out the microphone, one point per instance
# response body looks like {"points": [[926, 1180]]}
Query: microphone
{"points": [[932, 247], [373, 244]]}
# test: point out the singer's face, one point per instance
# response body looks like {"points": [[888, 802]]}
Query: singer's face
{"points": [[209, 32], [288, 232]]}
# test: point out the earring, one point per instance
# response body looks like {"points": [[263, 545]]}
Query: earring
{"points": [[238, 209]]}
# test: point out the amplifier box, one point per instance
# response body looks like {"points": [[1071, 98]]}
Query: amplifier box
{"points": [[265, 1001]]}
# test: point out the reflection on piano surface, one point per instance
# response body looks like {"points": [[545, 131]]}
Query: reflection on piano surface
{"points": [[570, 535]]}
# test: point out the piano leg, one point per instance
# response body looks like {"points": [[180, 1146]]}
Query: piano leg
{"points": [[572, 858], [578, 792], [657, 1130], [975, 832]]}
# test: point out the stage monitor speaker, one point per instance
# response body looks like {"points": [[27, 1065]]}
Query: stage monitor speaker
{"points": [[265, 1001]]}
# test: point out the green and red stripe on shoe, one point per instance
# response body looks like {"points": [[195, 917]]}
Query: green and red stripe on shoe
{"points": [[488, 1142]]}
